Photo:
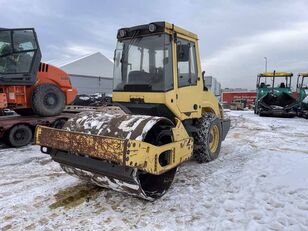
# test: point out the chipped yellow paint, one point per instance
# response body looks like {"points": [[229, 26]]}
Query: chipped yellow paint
{"points": [[145, 156]]}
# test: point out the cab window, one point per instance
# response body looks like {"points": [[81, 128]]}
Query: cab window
{"points": [[24, 40], [186, 63], [17, 50]]}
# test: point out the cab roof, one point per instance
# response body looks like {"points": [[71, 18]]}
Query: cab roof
{"points": [[276, 74], [180, 30], [161, 26], [304, 74]]}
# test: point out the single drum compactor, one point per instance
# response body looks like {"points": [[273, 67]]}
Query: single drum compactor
{"points": [[162, 115]]}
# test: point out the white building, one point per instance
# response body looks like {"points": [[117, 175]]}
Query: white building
{"points": [[90, 74]]}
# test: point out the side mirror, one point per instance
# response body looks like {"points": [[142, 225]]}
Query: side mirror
{"points": [[205, 88], [182, 53]]}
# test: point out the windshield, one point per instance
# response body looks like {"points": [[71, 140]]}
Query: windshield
{"points": [[17, 49], [143, 64]]}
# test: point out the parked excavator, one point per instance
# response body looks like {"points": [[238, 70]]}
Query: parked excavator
{"points": [[162, 116], [275, 100], [27, 85], [302, 91]]}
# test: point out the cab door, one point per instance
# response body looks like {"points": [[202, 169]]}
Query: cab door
{"points": [[188, 92]]}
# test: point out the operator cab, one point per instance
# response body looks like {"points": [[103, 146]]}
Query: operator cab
{"points": [[143, 59], [19, 56], [157, 69]]}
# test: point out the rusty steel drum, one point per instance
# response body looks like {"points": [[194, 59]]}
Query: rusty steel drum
{"points": [[151, 129]]}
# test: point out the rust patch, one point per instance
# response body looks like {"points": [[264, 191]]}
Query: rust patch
{"points": [[75, 142]]}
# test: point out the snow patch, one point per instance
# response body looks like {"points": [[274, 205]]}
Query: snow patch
{"points": [[259, 182]]}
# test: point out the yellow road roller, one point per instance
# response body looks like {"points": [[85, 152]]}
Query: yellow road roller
{"points": [[161, 115]]}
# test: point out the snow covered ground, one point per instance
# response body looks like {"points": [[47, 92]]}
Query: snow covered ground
{"points": [[259, 182]]}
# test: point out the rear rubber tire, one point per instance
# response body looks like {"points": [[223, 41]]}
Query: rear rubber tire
{"points": [[202, 138], [19, 135], [48, 100]]}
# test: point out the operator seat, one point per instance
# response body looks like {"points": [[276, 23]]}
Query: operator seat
{"points": [[24, 62], [139, 77], [282, 85]]}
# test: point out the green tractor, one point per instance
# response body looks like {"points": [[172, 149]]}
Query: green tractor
{"points": [[302, 91], [275, 100]]}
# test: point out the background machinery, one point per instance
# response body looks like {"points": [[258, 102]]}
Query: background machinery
{"points": [[302, 91], [162, 116], [27, 85], [35, 90], [238, 104], [275, 100]]}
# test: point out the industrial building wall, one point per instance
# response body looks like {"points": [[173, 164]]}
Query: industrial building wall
{"points": [[212, 84], [248, 96], [91, 84]]}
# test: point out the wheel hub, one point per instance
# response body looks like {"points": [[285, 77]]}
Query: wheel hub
{"points": [[50, 100], [214, 138], [19, 135]]}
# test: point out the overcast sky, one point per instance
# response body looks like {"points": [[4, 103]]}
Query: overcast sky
{"points": [[234, 36]]}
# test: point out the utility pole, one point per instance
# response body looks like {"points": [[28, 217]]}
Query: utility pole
{"points": [[265, 59]]}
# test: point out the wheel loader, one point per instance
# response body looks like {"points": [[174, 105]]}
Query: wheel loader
{"points": [[162, 115], [275, 99], [27, 85], [302, 91]]}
